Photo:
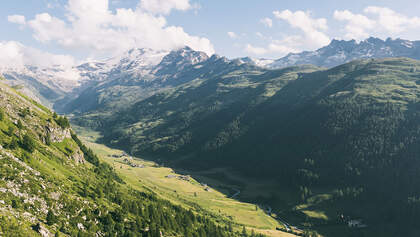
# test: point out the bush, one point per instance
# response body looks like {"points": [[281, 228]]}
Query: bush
{"points": [[11, 131], [28, 143], [25, 112], [19, 124], [13, 144], [51, 218], [2, 115], [48, 139], [62, 121]]}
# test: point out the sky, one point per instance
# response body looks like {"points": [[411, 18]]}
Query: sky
{"points": [[68, 32]]}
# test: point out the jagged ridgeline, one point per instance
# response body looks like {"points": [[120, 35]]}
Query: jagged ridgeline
{"points": [[51, 184]]}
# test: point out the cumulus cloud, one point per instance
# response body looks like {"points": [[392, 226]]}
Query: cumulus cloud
{"points": [[378, 21], [232, 35], [358, 25], [18, 19], [392, 21], [16, 55], [267, 22], [276, 47], [313, 34], [90, 26], [313, 29], [164, 6]]}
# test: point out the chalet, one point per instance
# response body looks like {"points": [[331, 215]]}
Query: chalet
{"points": [[356, 224], [184, 177]]}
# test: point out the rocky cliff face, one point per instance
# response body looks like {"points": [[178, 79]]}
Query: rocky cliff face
{"points": [[34, 121], [56, 133]]}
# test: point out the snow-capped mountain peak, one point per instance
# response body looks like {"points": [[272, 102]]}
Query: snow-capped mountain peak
{"points": [[342, 51]]}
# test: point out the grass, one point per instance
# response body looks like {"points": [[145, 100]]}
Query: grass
{"points": [[186, 193]]}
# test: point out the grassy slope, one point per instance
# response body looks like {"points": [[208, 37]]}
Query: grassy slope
{"points": [[83, 198]]}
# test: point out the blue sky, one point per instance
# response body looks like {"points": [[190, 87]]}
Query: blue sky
{"points": [[81, 29]]}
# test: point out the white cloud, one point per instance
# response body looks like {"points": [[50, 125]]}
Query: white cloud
{"points": [[313, 29], [378, 21], [358, 25], [16, 55], [164, 6], [391, 21], [232, 35], [276, 47], [18, 19], [90, 27], [267, 22], [255, 50], [313, 34]]}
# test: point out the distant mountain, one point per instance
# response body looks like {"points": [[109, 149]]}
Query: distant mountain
{"points": [[341, 51], [261, 62], [139, 73], [134, 76], [46, 85]]}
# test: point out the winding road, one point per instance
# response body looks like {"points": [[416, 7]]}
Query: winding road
{"points": [[236, 194]]}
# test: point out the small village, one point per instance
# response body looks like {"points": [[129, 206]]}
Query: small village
{"points": [[127, 159]]}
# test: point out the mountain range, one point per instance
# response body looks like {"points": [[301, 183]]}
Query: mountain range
{"points": [[341, 51], [334, 131], [145, 71]]}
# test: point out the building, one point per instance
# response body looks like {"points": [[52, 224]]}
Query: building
{"points": [[356, 224]]}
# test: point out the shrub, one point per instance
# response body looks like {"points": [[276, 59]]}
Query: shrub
{"points": [[11, 131], [25, 112], [19, 124], [2, 115], [13, 144], [62, 121], [28, 143], [48, 139], [51, 218]]}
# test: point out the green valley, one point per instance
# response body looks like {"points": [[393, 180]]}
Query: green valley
{"points": [[183, 189], [52, 184], [193, 118], [321, 147]]}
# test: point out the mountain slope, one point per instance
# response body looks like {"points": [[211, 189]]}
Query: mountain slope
{"points": [[47, 187], [350, 132], [135, 76], [139, 73]]}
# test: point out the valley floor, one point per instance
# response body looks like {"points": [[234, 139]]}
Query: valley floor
{"points": [[214, 198]]}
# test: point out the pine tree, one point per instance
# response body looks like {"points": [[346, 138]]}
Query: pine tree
{"points": [[28, 143], [244, 231], [1, 114], [51, 218], [19, 124]]}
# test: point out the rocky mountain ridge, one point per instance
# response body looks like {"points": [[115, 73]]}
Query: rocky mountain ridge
{"points": [[342, 51]]}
